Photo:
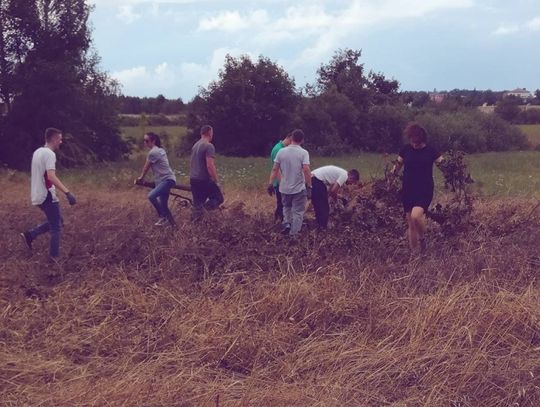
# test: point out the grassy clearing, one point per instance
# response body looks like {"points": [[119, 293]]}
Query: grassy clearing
{"points": [[170, 135], [533, 133], [508, 174]]}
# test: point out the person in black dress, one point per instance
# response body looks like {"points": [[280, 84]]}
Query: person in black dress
{"points": [[417, 160]]}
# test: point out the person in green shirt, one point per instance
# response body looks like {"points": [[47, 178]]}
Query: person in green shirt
{"points": [[274, 188]]}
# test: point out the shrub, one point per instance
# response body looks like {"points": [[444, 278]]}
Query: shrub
{"points": [[529, 116], [471, 131], [386, 124]]}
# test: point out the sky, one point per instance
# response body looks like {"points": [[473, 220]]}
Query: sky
{"points": [[174, 47]]}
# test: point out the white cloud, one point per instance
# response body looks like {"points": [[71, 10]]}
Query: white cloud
{"points": [[360, 15], [170, 79], [130, 75], [531, 25], [534, 24], [233, 21], [506, 30], [127, 14]]}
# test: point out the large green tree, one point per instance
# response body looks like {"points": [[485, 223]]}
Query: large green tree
{"points": [[250, 106], [52, 78], [354, 104]]}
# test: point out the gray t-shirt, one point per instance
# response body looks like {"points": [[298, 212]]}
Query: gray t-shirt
{"points": [[291, 162], [201, 149], [157, 157]]}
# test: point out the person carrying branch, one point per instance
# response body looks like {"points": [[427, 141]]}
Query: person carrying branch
{"points": [[164, 179], [417, 160], [203, 175], [295, 184], [274, 188], [326, 182], [44, 183]]}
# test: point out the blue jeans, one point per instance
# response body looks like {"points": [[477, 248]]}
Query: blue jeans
{"points": [[294, 206], [159, 197], [53, 225]]}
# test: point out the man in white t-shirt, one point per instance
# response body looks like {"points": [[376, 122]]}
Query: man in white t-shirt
{"points": [[293, 162], [44, 183], [326, 182]]}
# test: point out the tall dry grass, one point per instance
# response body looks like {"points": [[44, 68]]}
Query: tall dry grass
{"points": [[228, 313]]}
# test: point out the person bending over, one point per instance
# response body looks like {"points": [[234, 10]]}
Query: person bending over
{"points": [[326, 182]]}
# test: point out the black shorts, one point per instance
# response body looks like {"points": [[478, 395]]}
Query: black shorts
{"points": [[413, 198]]}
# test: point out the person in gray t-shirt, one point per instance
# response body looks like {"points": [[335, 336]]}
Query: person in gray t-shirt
{"points": [[163, 176], [203, 176], [293, 162]]}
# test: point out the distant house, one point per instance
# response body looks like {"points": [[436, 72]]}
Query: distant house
{"points": [[521, 93], [437, 97]]}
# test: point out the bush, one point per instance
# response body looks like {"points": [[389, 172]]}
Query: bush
{"points": [[471, 131], [508, 108], [250, 107], [386, 124], [529, 116]]}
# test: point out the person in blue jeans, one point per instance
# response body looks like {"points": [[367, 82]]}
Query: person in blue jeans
{"points": [[44, 183], [163, 176], [295, 184]]}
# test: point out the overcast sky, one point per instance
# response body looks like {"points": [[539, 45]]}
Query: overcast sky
{"points": [[174, 46]]}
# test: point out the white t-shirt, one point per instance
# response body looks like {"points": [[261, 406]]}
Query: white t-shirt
{"points": [[330, 175], [43, 159], [291, 162]]}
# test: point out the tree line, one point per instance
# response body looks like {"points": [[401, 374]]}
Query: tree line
{"points": [[347, 108], [50, 77], [150, 105]]}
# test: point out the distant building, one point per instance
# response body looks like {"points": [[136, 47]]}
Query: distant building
{"points": [[3, 109], [521, 93], [437, 97]]}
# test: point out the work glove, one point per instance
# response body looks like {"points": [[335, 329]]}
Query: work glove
{"points": [[308, 192], [271, 190], [71, 198]]}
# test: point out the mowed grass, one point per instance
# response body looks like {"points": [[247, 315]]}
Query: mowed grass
{"points": [[507, 174], [533, 133], [228, 312]]}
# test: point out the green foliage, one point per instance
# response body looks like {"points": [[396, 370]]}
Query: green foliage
{"points": [[151, 120], [529, 116], [508, 108], [57, 83], [349, 109], [153, 106], [250, 107], [455, 214], [377, 205], [328, 120], [471, 131], [386, 124]]}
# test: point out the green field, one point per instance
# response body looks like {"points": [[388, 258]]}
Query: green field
{"points": [[170, 135], [506, 174], [533, 133]]}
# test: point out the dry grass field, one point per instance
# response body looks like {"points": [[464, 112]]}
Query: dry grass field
{"points": [[229, 313]]}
